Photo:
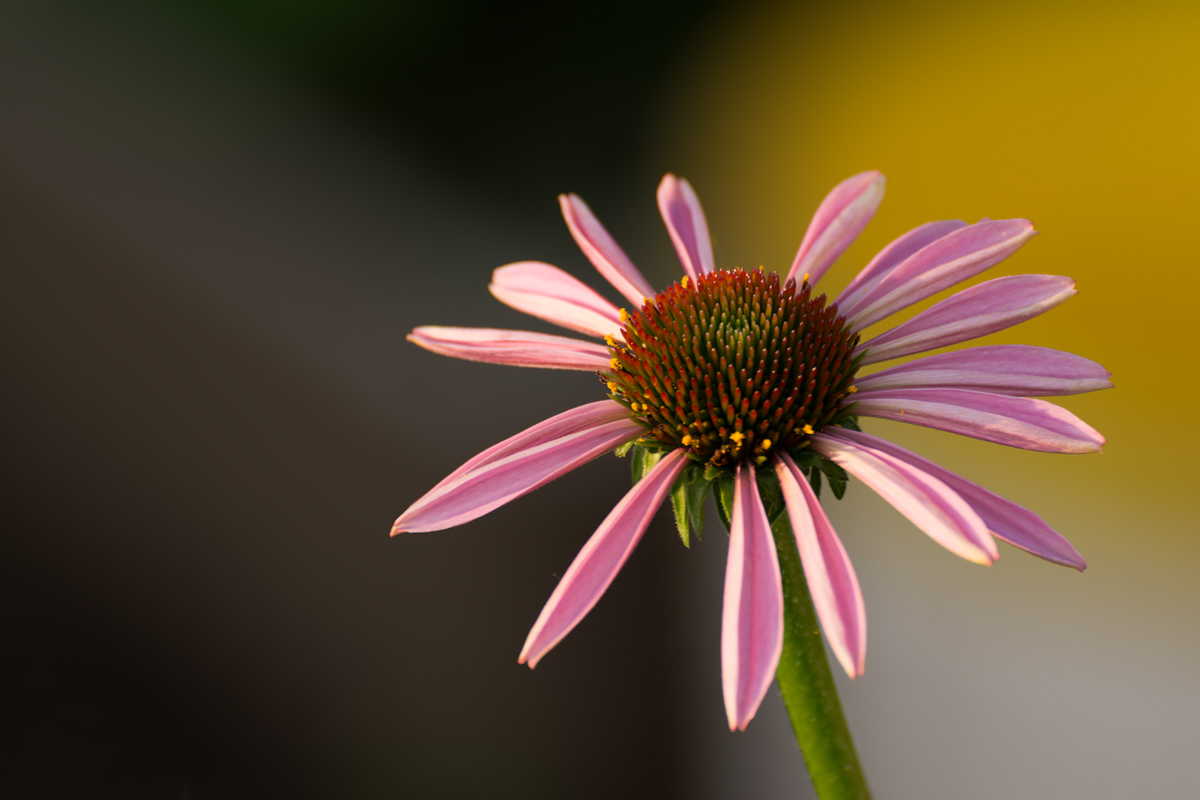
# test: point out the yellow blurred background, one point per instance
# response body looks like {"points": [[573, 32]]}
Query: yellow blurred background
{"points": [[1085, 119]]}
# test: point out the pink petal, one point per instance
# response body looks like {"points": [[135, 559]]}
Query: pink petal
{"points": [[927, 502], [601, 559], [514, 348], [1005, 519], [839, 220], [989, 307], [752, 623], [603, 251], [1016, 369], [548, 293], [952, 259], [519, 465], [891, 257], [827, 569], [685, 221], [1013, 421], [579, 418]]}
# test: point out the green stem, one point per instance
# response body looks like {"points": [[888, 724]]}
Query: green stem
{"points": [[807, 684]]}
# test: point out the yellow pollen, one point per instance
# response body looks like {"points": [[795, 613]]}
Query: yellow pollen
{"points": [[683, 282], [766, 444], [852, 389], [616, 365], [612, 387], [808, 429], [610, 340], [805, 280], [737, 437], [687, 441], [624, 315], [648, 396]]}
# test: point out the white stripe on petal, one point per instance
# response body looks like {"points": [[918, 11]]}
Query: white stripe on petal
{"points": [[891, 257], [1016, 369], [579, 418], [839, 220], [519, 465], [927, 502], [1014, 421], [681, 211], [603, 251], [548, 293], [986, 308], [951, 259], [827, 569], [1005, 519], [752, 621], [512, 348], [598, 563]]}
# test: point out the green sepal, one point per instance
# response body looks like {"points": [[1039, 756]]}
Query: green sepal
{"points": [[771, 493], [805, 459], [687, 500], [680, 507], [696, 493], [838, 479], [724, 491], [814, 479], [850, 423], [838, 487], [833, 470], [642, 461], [624, 449]]}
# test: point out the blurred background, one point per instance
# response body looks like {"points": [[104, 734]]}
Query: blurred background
{"points": [[218, 220]]}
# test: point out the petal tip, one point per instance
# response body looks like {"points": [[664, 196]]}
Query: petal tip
{"points": [[526, 657]]}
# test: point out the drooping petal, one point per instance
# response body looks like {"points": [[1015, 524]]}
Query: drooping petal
{"points": [[590, 415], [831, 579], [891, 257], [952, 259], [839, 220], [514, 348], [928, 503], [986, 308], [1005, 519], [548, 293], [601, 559], [603, 251], [1014, 421], [516, 467], [685, 222], [752, 622], [1016, 369]]}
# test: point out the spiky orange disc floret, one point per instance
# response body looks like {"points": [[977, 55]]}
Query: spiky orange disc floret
{"points": [[733, 366]]}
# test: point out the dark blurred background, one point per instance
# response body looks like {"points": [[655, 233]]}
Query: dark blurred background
{"points": [[218, 220]]}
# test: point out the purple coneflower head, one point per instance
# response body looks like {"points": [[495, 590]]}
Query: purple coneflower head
{"points": [[744, 384], [732, 366]]}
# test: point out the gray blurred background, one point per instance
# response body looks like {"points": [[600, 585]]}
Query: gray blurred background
{"points": [[218, 220]]}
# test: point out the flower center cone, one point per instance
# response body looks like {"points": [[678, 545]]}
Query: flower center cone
{"points": [[733, 365]]}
